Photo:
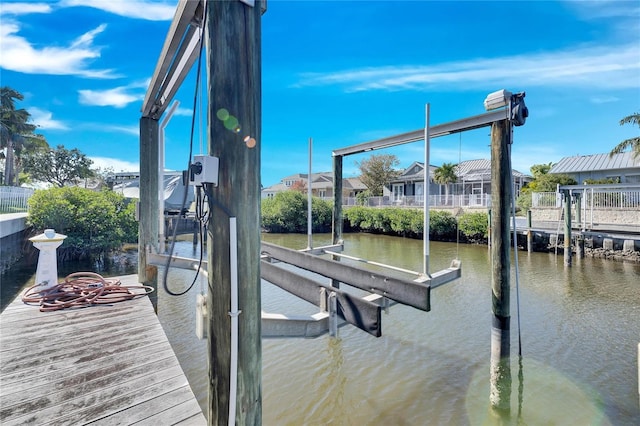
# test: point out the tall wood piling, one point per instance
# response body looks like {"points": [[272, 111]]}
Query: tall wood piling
{"points": [[566, 194], [500, 366], [148, 214], [233, 35]]}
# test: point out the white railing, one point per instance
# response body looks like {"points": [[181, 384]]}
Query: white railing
{"points": [[594, 198], [546, 199], [624, 199], [473, 200], [14, 199]]}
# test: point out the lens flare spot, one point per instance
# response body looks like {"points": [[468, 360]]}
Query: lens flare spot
{"points": [[222, 114], [231, 123], [251, 142]]}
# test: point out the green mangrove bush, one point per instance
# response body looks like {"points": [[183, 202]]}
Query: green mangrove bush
{"points": [[287, 212], [95, 223]]}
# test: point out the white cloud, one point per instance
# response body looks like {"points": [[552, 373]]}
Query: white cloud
{"points": [[603, 67], [115, 164], [130, 130], [596, 9], [44, 120], [117, 97], [604, 99], [24, 8], [185, 112], [148, 10], [18, 54]]}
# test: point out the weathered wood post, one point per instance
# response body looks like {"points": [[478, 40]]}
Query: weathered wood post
{"points": [[337, 207], [233, 36], [500, 369], [567, 227], [149, 215], [529, 233]]}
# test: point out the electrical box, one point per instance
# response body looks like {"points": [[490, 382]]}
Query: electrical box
{"points": [[204, 169]]}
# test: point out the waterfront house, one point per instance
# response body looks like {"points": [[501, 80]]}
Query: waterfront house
{"points": [[321, 185], [471, 189], [622, 168]]}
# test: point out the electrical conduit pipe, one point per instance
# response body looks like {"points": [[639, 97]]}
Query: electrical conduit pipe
{"points": [[233, 373]]}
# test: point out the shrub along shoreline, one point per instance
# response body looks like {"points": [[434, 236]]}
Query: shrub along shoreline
{"points": [[286, 212]]}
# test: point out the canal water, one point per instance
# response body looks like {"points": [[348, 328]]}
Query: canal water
{"points": [[580, 329]]}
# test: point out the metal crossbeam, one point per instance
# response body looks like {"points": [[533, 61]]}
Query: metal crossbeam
{"points": [[403, 291], [356, 311], [451, 127], [176, 59]]}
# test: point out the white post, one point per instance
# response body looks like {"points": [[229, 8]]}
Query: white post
{"points": [[309, 201], [163, 124], [425, 203], [47, 269]]}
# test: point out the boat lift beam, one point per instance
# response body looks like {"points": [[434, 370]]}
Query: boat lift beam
{"points": [[457, 126], [415, 293]]}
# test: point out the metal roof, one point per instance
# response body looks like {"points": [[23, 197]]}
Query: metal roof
{"points": [[584, 163]]}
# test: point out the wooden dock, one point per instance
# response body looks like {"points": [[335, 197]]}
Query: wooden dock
{"points": [[105, 364]]}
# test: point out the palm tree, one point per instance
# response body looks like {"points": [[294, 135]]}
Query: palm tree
{"points": [[632, 143], [15, 132], [444, 175]]}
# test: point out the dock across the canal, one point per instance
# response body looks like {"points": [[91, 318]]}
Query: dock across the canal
{"points": [[104, 364]]}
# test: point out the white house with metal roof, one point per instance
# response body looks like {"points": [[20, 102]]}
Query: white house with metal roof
{"points": [[622, 167], [474, 182], [321, 185]]}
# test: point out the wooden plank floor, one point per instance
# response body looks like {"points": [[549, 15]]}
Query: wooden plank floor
{"points": [[102, 365]]}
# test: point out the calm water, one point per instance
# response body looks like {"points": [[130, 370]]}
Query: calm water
{"points": [[580, 334], [580, 331]]}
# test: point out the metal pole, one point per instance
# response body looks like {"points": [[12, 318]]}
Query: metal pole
{"points": [[425, 203], [309, 201]]}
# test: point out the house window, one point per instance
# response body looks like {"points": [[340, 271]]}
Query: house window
{"points": [[322, 193], [632, 178], [398, 192], [419, 191]]}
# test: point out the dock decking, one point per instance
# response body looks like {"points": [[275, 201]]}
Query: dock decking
{"points": [[105, 364]]}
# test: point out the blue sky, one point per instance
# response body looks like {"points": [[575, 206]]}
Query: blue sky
{"points": [[340, 72]]}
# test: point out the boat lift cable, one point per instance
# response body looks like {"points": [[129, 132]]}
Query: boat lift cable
{"points": [[189, 165]]}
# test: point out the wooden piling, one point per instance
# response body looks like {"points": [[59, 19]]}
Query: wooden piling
{"points": [[529, 233], [149, 215], [337, 208], [567, 227], [233, 34], [500, 368]]}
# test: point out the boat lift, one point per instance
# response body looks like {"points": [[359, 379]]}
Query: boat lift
{"points": [[364, 312]]}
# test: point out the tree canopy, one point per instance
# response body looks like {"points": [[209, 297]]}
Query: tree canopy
{"points": [[377, 171], [632, 143], [16, 134], [58, 166]]}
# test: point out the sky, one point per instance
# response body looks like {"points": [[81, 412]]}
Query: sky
{"points": [[341, 73]]}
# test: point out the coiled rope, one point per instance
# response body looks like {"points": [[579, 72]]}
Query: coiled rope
{"points": [[81, 290]]}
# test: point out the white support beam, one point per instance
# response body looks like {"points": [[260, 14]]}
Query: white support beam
{"points": [[175, 59], [451, 127]]}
